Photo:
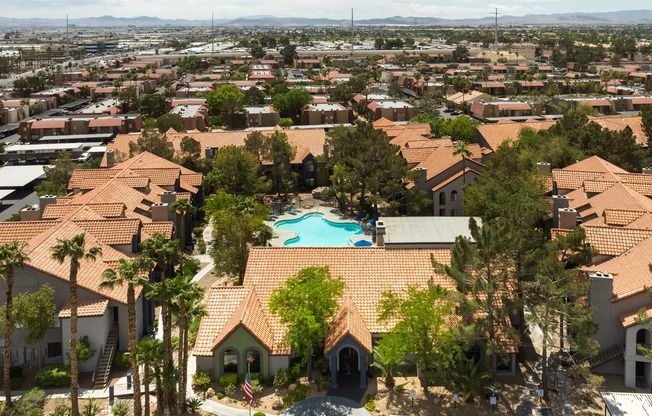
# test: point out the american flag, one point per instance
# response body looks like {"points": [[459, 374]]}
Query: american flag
{"points": [[247, 389]]}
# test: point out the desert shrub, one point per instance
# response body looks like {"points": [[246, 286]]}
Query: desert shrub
{"points": [[281, 378], [30, 403], [230, 379], [122, 360], [370, 403], [120, 408], [259, 414], [62, 410], [53, 376], [296, 395], [220, 395], [399, 389], [256, 387], [229, 390], [201, 380], [90, 408], [294, 372], [201, 245]]}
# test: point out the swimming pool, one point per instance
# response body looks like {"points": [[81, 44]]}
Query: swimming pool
{"points": [[313, 230]]}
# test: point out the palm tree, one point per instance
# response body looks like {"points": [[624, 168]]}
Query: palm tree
{"points": [[162, 251], [131, 273], [187, 306], [462, 148], [182, 207], [12, 255], [150, 354], [75, 250]]}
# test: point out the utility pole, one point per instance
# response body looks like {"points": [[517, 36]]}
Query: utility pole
{"points": [[496, 33], [352, 31]]}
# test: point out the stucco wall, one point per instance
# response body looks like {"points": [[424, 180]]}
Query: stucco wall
{"points": [[455, 185], [241, 341], [96, 328]]}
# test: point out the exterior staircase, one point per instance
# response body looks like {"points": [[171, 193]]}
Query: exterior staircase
{"points": [[607, 355], [101, 376]]}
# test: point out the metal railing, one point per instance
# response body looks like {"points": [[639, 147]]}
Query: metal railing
{"points": [[97, 366]]}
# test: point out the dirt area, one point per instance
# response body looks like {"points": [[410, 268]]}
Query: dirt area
{"points": [[52, 404], [587, 402]]}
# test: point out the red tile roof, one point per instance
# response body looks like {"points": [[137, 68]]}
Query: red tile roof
{"points": [[86, 308]]}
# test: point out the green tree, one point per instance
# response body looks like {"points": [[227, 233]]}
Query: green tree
{"points": [[462, 148], [35, 312], [57, 176], [12, 256], [150, 355], [290, 103], [307, 302], [190, 156], [467, 376], [646, 121], [227, 102], [480, 267], [155, 143], [236, 171], [132, 273], [254, 96], [421, 315], [170, 121], [74, 250], [280, 153], [289, 54], [461, 129], [153, 105], [256, 144], [257, 51], [556, 295], [460, 54], [239, 223]]}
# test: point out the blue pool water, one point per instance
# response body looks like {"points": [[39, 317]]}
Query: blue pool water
{"points": [[316, 231]]}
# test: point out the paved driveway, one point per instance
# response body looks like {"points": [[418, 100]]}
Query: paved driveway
{"points": [[326, 406]]}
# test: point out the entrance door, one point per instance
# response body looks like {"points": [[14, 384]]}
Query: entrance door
{"points": [[348, 374]]}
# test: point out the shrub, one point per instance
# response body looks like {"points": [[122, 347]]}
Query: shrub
{"points": [[53, 376], [296, 395], [370, 406], [220, 395], [399, 389], [294, 372], [256, 387], [281, 378], [259, 414], [16, 382], [122, 360], [230, 379], [256, 376], [90, 408], [120, 408], [201, 245], [229, 390], [193, 404], [201, 380], [30, 403], [62, 410]]}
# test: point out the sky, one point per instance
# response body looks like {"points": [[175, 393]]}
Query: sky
{"points": [[337, 9]]}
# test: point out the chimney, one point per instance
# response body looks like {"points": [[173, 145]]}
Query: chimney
{"points": [[647, 171], [160, 212], [567, 218], [543, 168], [600, 296], [30, 214], [558, 202], [168, 197], [110, 160], [44, 201], [380, 233]]}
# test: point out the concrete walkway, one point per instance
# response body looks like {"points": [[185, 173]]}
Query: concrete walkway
{"points": [[326, 406]]}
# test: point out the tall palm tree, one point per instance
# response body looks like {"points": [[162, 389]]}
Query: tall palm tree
{"points": [[130, 272], [12, 255], [150, 353], [186, 305], [182, 207], [162, 251], [462, 148], [75, 250]]}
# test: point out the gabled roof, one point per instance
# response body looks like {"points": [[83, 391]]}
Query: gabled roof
{"points": [[348, 322], [495, 134], [23, 231], [119, 231], [86, 308], [614, 241], [595, 164], [441, 159], [619, 217], [59, 210]]}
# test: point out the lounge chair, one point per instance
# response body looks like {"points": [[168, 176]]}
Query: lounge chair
{"points": [[273, 217], [291, 211]]}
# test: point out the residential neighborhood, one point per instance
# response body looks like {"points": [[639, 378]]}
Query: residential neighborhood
{"points": [[272, 216]]}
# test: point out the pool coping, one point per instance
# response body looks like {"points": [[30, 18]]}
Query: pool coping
{"points": [[281, 236]]}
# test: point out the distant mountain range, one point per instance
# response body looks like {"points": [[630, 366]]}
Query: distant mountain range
{"points": [[603, 18]]}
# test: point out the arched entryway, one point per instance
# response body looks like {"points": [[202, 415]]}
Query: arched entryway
{"points": [[348, 371]]}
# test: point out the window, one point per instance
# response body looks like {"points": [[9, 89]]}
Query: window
{"points": [[230, 361], [442, 212], [454, 196], [453, 213], [54, 349], [310, 166], [254, 362], [310, 182], [442, 198]]}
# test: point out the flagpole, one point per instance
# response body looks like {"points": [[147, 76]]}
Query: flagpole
{"points": [[249, 375]]}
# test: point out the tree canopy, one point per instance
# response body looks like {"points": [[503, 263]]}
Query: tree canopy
{"points": [[227, 103], [153, 142], [236, 172], [289, 104]]}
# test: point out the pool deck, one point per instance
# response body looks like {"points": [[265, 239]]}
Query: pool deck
{"points": [[281, 236]]}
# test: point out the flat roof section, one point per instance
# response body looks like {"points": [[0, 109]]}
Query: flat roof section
{"points": [[621, 404], [25, 148], [76, 137], [425, 230], [19, 176], [5, 193]]}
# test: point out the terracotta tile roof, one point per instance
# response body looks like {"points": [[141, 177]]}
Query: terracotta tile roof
{"points": [[630, 270], [630, 319], [440, 185], [112, 231], [619, 217], [252, 317], [634, 178], [620, 123], [441, 159], [595, 164], [80, 175], [160, 176], [644, 221], [23, 231], [404, 137], [86, 308], [619, 196], [430, 143], [495, 134], [416, 155], [614, 241], [221, 303], [57, 211], [572, 179], [149, 229], [596, 187], [348, 322]]}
